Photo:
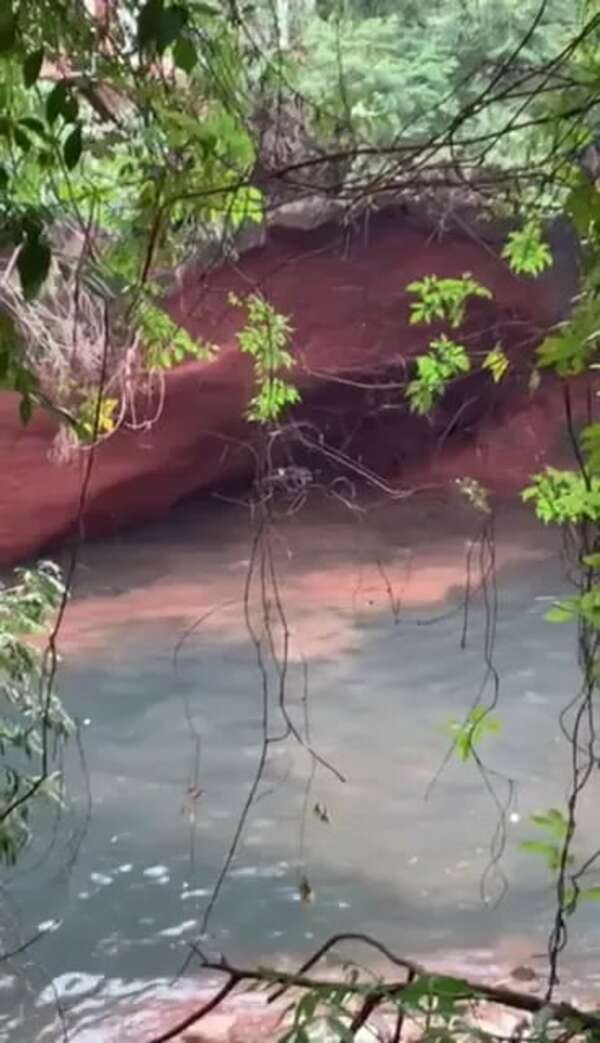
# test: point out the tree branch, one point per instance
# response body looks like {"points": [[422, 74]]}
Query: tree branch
{"points": [[373, 996]]}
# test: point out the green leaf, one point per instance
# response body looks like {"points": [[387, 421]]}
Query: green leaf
{"points": [[549, 852], [21, 139], [160, 26], [447, 991], [589, 607], [35, 125], [444, 298], [590, 444], [73, 148], [32, 66], [564, 496], [307, 1006], [562, 612], [184, 54], [61, 102], [55, 102], [553, 820], [467, 734], [590, 894], [33, 264], [148, 23], [445, 361], [3, 179], [8, 29], [526, 250], [70, 109], [583, 205], [497, 363], [570, 350], [172, 20]]}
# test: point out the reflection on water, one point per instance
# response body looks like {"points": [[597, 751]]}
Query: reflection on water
{"points": [[159, 666]]}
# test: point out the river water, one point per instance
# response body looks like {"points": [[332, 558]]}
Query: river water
{"points": [[160, 672]]}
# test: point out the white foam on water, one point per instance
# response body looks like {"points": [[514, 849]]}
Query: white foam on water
{"points": [[178, 929], [68, 985], [198, 892], [155, 872], [103, 879]]}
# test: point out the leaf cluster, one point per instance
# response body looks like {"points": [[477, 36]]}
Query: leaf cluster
{"points": [[265, 337], [32, 719]]}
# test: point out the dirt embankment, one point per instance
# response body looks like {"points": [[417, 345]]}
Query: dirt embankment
{"points": [[349, 309]]}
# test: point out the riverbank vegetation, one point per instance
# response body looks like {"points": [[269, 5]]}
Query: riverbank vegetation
{"points": [[137, 138]]}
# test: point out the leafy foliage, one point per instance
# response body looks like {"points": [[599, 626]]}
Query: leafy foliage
{"points": [[563, 497], [444, 361], [583, 606], [526, 250], [382, 76], [572, 349], [140, 138], [555, 827], [589, 439], [266, 337], [166, 344], [120, 135], [32, 720], [444, 299], [440, 300], [467, 734], [387, 71], [497, 363], [96, 416]]}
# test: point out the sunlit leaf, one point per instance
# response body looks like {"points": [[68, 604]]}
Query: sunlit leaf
{"points": [[467, 734], [552, 820], [446, 992], [443, 298], [549, 852], [562, 612], [497, 363], [526, 250]]}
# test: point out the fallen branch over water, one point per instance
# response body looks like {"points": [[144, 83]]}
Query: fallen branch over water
{"points": [[371, 996]]}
